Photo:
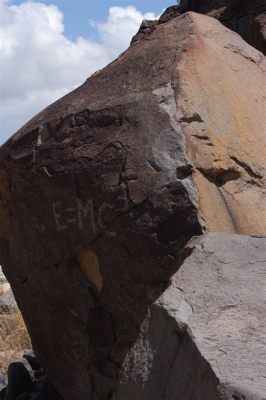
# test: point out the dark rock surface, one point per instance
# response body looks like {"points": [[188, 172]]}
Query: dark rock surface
{"points": [[32, 360], [168, 14], [100, 192], [20, 379], [248, 18], [27, 381], [202, 6], [205, 337]]}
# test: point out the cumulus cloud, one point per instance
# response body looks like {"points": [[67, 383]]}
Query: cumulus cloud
{"points": [[39, 64], [121, 25]]}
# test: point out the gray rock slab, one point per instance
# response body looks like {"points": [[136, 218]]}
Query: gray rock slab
{"points": [[205, 337]]}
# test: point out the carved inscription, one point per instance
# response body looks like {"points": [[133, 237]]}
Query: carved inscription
{"points": [[82, 214]]}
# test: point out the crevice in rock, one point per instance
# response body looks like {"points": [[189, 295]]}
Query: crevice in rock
{"points": [[201, 137], [154, 166], [24, 280], [220, 176], [184, 171], [254, 174], [192, 118]]}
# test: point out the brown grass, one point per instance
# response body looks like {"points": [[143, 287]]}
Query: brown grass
{"points": [[14, 338]]}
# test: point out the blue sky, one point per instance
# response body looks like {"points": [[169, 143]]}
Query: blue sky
{"points": [[77, 13], [49, 47]]}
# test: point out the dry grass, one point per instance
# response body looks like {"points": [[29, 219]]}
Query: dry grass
{"points": [[14, 338], [4, 288]]}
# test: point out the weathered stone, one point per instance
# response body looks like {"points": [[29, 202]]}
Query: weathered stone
{"points": [[246, 17], [205, 337], [258, 32], [100, 192], [168, 14], [146, 27], [32, 360], [201, 6]]}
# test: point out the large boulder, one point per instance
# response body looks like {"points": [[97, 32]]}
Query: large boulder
{"points": [[100, 192], [205, 337]]}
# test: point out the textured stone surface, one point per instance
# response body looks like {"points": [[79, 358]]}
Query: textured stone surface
{"points": [[205, 337], [223, 103], [100, 191], [169, 13], [202, 6], [246, 17]]}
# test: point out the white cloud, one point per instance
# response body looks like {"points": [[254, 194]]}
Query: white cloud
{"points": [[39, 64], [121, 25]]}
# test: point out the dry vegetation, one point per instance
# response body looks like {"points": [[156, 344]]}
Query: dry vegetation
{"points": [[14, 338], [2, 289]]}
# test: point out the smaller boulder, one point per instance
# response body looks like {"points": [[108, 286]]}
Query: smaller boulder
{"points": [[146, 27], [168, 14], [20, 379], [32, 360]]}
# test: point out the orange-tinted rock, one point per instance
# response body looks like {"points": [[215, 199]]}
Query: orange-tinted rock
{"points": [[223, 100]]}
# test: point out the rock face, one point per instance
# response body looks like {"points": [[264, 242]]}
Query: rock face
{"points": [[246, 17], [205, 337], [202, 6], [100, 192]]}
